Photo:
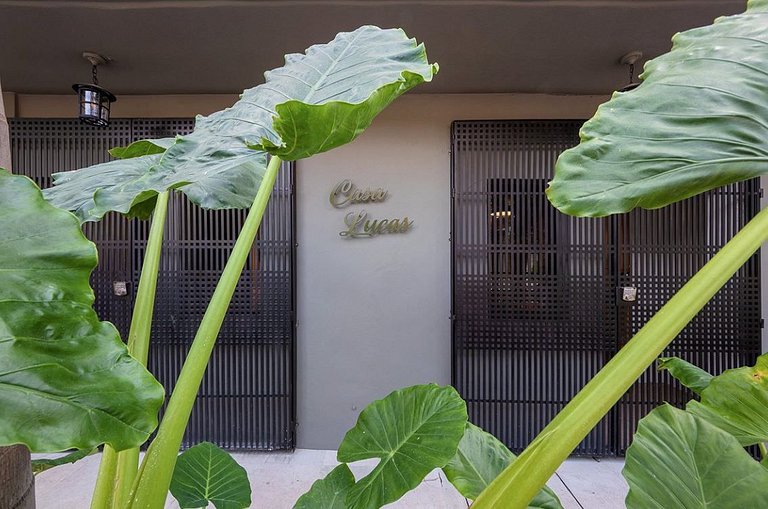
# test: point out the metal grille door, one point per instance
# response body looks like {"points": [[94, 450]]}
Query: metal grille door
{"points": [[536, 306], [658, 251], [247, 397]]}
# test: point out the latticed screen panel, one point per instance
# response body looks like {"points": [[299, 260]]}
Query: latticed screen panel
{"points": [[659, 250], [532, 290], [535, 292], [246, 400]]}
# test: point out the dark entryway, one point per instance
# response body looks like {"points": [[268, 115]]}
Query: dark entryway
{"points": [[247, 398], [538, 297]]}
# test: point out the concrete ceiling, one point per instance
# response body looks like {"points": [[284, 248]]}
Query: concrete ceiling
{"points": [[485, 46]]}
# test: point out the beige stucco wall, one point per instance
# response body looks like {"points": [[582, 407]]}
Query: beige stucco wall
{"points": [[127, 106], [434, 106]]}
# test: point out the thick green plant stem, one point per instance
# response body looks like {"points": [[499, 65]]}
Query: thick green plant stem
{"points": [[144, 307], [118, 470], [139, 336], [151, 486], [520, 482], [103, 492]]}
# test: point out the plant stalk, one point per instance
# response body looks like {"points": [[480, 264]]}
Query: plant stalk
{"points": [[103, 492], [151, 486], [118, 470], [522, 480], [139, 336]]}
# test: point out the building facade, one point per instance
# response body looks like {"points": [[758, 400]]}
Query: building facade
{"points": [[425, 250], [487, 288]]}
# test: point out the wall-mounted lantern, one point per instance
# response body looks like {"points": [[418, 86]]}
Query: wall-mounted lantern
{"points": [[94, 100]]}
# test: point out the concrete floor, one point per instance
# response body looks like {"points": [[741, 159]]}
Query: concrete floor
{"points": [[278, 479]]}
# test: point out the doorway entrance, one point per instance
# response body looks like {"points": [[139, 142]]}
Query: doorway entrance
{"points": [[542, 300]]}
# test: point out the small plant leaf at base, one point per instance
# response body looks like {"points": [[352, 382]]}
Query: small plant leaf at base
{"points": [[698, 121], [736, 401], [42, 464], [205, 473], [691, 376], [480, 458], [413, 430], [142, 148], [329, 492], [680, 461], [66, 379]]}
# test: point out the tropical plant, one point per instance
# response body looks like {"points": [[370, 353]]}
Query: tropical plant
{"points": [[695, 458], [414, 431], [317, 101], [699, 120], [205, 473]]}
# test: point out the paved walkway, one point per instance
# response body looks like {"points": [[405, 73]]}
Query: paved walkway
{"points": [[278, 479]]}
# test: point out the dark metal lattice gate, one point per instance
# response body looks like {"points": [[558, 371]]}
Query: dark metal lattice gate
{"points": [[537, 306], [247, 398]]}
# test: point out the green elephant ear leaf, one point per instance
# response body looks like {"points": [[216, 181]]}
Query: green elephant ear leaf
{"points": [[698, 121], [206, 474], [329, 492], [678, 460], [737, 401], [317, 101], [130, 186], [66, 379], [691, 376], [413, 430], [480, 458]]}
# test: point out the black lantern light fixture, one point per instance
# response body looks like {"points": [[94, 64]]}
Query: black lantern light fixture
{"points": [[630, 59], [94, 100]]}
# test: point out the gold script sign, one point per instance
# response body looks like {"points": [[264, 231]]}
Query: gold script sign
{"points": [[345, 193], [358, 224]]}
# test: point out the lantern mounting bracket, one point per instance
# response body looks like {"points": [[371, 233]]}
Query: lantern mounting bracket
{"points": [[629, 60], [96, 59]]}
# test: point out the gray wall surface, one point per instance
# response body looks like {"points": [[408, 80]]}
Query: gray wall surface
{"points": [[374, 312]]}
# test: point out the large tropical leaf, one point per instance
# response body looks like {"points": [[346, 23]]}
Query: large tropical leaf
{"points": [[319, 100], [66, 379], [329, 492], [698, 121], [226, 179], [680, 461], [737, 402], [480, 458], [205, 473], [693, 377], [413, 430]]}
